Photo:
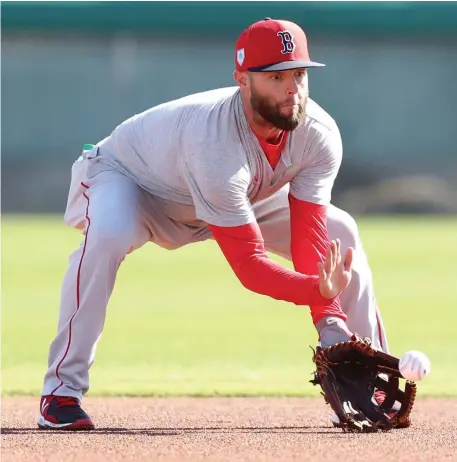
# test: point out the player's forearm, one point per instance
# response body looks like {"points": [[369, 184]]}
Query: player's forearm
{"points": [[309, 242], [244, 250], [266, 277]]}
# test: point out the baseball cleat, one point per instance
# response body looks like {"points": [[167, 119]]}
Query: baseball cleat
{"points": [[63, 413], [335, 420], [379, 397]]}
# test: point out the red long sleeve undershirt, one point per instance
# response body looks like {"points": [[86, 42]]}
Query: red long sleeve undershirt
{"points": [[244, 250], [309, 242]]}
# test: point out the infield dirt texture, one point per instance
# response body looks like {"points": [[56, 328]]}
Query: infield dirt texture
{"points": [[224, 429], [180, 324]]}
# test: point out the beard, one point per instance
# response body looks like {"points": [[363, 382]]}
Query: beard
{"points": [[271, 112]]}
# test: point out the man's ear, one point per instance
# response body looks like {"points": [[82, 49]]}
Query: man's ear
{"points": [[241, 78]]}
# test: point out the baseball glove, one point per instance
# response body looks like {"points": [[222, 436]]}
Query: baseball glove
{"points": [[349, 373]]}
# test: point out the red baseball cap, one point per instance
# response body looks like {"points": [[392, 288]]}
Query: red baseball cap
{"points": [[272, 45]]}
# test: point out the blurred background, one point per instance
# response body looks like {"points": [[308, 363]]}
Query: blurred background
{"points": [[71, 71], [179, 322]]}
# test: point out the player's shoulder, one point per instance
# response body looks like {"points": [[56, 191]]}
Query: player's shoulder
{"points": [[208, 121], [207, 98], [319, 129], [318, 132], [190, 104], [318, 119]]}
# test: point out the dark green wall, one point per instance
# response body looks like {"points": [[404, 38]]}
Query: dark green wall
{"points": [[72, 71], [209, 18]]}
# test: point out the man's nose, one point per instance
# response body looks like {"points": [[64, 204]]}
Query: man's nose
{"points": [[292, 87]]}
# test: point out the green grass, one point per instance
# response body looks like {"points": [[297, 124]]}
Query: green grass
{"points": [[180, 323]]}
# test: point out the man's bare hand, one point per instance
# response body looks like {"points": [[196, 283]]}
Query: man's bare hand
{"points": [[335, 272]]}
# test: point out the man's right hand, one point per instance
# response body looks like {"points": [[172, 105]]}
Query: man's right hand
{"points": [[335, 272]]}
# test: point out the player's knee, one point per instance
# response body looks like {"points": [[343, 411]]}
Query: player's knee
{"points": [[343, 226], [110, 240]]}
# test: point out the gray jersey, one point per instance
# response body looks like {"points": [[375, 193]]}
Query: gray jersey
{"points": [[202, 163], [199, 151]]}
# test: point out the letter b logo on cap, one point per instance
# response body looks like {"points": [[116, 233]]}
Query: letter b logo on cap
{"points": [[288, 45]]}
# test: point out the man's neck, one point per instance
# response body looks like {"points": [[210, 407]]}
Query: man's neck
{"points": [[260, 126], [266, 131]]}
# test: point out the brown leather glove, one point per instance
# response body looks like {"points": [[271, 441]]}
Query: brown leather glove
{"points": [[349, 373]]}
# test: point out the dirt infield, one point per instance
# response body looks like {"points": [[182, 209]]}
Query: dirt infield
{"points": [[225, 429]]}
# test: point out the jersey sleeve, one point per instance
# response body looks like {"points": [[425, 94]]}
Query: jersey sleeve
{"points": [[321, 163], [218, 182]]}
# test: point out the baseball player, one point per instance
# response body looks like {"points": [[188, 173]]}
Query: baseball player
{"points": [[250, 166]]}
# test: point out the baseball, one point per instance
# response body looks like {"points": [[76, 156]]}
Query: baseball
{"points": [[414, 365]]}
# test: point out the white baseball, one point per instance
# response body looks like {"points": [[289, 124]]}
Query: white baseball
{"points": [[414, 365]]}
